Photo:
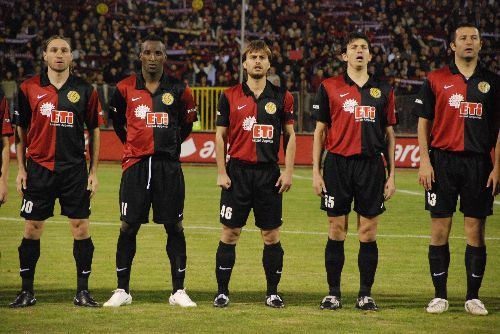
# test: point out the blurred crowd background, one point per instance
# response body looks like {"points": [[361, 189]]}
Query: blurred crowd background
{"points": [[409, 38]]}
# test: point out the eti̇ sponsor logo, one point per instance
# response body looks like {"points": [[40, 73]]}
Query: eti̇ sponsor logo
{"points": [[248, 123], [364, 114], [141, 111], [157, 119], [470, 110], [262, 133], [57, 117]]}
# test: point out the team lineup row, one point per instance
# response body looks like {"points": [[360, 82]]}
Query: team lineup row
{"points": [[458, 122]]}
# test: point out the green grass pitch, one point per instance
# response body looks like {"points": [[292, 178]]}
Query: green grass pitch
{"points": [[402, 285]]}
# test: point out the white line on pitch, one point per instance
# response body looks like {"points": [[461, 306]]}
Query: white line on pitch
{"points": [[213, 228], [409, 192]]}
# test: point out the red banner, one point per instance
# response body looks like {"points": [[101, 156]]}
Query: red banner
{"points": [[200, 148]]}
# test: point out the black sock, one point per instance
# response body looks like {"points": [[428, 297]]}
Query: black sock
{"points": [[367, 264], [272, 260], [224, 263], [176, 251], [29, 252], [439, 261], [125, 252], [475, 263], [334, 262], [83, 251]]}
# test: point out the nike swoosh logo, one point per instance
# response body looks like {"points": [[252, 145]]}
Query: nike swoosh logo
{"points": [[342, 95], [40, 96], [181, 270], [279, 272], [25, 269], [439, 274], [86, 272], [121, 269], [241, 107], [476, 276], [222, 268], [448, 86], [135, 98]]}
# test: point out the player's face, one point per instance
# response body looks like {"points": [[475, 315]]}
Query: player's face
{"points": [[58, 55], [467, 43], [153, 57], [357, 54], [257, 64]]}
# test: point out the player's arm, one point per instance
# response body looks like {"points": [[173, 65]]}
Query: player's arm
{"points": [[5, 169], [117, 112], [318, 145], [190, 114], [21, 159], [93, 121], [22, 120], [285, 180], [321, 113], [390, 184], [222, 123], [424, 110], [494, 178]]}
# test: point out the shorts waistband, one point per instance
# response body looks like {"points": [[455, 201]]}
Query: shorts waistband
{"points": [[250, 165]]}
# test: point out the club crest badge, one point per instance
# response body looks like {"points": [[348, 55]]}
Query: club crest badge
{"points": [[483, 87], [73, 96], [375, 92], [167, 99], [270, 108]]}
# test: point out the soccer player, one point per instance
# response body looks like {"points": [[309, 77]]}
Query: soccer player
{"points": [[457, 127], [153, 114], [5, 132], [250, 118], [354, 115], [54, 107]]}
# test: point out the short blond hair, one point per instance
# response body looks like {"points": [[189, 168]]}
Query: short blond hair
{"points": [[257, 45]]}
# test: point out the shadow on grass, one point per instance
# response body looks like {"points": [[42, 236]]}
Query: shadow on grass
{"points": [[204, 298]]}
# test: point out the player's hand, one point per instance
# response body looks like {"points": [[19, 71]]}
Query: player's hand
{"points": [[21, 178], [92, 184], [284, 182], [426, 175], [223, 181], [390, 188], [318, 184], [494, 181], [3, 191]]}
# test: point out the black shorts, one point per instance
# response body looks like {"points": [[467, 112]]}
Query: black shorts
{"points": [[44, 186], [252, 186], [463, 174], [153, 181], [354, 177]]}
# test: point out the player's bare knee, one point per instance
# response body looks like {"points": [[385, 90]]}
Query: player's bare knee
{"points": [[337, 229], [33, 229], [129, 229], [230, 235], [271, 237], [80, 228], [475, 231]]}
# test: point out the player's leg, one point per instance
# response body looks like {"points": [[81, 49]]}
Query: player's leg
{"points": [[367, 261], [29, 253], [337, 174], [235, 205], [267, 206], [225, 259], [75, 204], [476, 202], [167, 197], [83, 252], [441, 201], [475, 263], [37, 205], [134, 210]]}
